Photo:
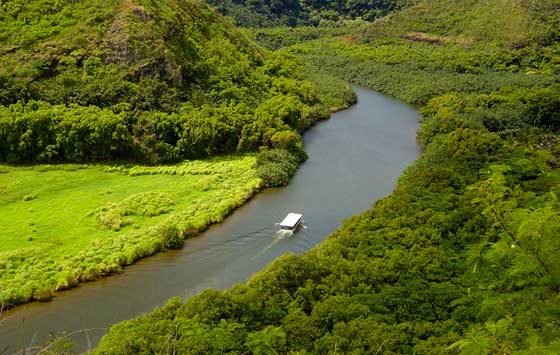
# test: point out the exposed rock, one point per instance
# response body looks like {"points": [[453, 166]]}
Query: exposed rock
{"points": [[125, 47], [118, 41]]}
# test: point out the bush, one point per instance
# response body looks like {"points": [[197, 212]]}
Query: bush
{"points": [[37, 131], [171, 237], [29, 197], [276, 167]]}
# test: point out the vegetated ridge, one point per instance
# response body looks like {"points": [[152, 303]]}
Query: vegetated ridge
{"points": [[462, 257], [142, 80]]}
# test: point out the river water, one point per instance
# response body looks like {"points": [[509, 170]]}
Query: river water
{"points": [[355, 158]]}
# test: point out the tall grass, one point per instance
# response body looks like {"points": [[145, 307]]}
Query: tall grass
{"points": [[89, 222]]}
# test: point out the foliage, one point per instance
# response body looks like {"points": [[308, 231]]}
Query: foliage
{"points": [[280, 37], [504, 110], [334, 93], [253, 13], [406, 69], [90, 220], [276, 167], [40, 132]]}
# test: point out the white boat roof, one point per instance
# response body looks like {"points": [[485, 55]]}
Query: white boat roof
{"points": [[291, 220]]}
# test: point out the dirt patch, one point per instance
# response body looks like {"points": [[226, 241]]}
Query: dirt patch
{"points": [[9, 49], [435, 39]]}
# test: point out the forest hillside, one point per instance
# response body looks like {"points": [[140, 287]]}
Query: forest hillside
{"points": [[141, 80], [258, 13]]}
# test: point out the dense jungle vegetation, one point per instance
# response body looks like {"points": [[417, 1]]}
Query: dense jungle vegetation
{"points": [[462, 258], [148, 81], [260, 13]]}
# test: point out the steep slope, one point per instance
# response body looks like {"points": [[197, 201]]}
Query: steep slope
{"points": [[115, 43], [462, 257], [174, 78], [512, 23]]}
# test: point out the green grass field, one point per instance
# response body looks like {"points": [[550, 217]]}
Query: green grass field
{"points": [[65, 224]]}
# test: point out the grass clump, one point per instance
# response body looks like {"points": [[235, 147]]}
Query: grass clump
{"points": [[29, 197], [117, 215]]}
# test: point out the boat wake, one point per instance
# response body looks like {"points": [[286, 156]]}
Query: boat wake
{"points": [[280, 235], [283, 234]]}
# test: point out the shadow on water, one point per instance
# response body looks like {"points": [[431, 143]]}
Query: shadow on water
{"points": [[354, 159]]}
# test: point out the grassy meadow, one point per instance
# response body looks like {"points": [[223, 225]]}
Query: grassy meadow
{"points": [[65, 224]]}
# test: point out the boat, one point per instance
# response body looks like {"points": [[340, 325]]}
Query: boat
{"points": [[292, 222]]}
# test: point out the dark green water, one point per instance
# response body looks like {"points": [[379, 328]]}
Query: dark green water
{"points": [[354, 159]]}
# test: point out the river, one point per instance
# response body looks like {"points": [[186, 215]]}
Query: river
{"points": [[355, 158]]}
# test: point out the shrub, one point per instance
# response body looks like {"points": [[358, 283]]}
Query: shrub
{"points": [[118, 215], [276, 167], [171, 237], [29, 197]]}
